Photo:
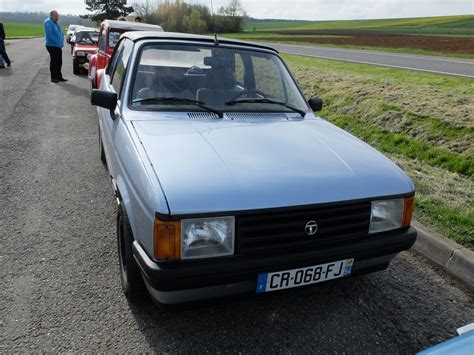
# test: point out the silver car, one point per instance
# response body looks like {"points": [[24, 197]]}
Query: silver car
{"points": [[226, 180]]}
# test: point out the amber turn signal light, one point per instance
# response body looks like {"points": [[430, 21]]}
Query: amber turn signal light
{"points": [[166, 240], [408, 211]]}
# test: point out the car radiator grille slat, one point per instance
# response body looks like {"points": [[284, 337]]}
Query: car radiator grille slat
{"points": [[285, 230]]}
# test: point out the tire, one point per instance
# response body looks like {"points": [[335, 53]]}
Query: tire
{"points": [[103, 159], [130, 277], [75, 68]]}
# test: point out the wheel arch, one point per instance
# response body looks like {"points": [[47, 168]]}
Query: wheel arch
{"points": [[122, 196]]}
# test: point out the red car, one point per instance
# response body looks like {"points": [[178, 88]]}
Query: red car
{"points": [[109, 35], [85, 44]]}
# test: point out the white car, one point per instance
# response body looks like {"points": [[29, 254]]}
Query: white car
{"points": [[70, 31]]}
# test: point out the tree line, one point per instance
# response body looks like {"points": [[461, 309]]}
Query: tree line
{"points": [[34, 17], [180, 16], [174, 16]]}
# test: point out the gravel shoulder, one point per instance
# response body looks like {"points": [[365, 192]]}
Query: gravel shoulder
{"points": [[60, 282]]}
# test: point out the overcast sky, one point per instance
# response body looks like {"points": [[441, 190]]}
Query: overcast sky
{"points": [[294, 9]]}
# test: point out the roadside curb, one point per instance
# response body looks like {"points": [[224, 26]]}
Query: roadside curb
{"points": [[452, 257]]}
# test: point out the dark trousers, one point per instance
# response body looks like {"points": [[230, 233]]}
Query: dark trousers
{"points": [[4, 54], [56, 63]]}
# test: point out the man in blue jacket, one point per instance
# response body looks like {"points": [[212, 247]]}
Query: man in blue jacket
{"points": [[54, 45]]}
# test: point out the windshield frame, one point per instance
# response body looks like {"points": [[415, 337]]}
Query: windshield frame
{"points": [[140, 46]]}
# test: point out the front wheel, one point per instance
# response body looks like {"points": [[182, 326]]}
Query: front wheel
{"points": [[130, 277]]}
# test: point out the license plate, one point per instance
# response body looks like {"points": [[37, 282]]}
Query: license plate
{"points": [[305, 276]]}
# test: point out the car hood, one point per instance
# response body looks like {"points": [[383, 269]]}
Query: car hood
{"points": [[224, 165], [86, 47]]}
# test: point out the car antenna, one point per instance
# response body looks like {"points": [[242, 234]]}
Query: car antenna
{"points": [[216, 41]]}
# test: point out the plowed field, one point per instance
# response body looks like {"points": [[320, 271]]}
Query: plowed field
{"points": [[444, 44]]}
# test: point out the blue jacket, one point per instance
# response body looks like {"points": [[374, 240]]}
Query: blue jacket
{"points": [[53, 33]]}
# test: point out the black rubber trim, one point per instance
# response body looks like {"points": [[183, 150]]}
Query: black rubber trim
{"points": [[208, 41], [172, 276]]}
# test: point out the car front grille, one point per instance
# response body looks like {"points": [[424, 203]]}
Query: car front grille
{"points": [[285, 230]]}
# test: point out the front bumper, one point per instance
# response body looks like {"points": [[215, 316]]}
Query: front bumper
{"points": [[184, 281]]}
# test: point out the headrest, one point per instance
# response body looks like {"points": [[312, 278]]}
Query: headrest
{"points": [[212, 62]]}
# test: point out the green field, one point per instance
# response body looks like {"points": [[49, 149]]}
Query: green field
{"points": [[23, 30], [459, 25], [16, 30], [269, 35], [424, 122], [451, 36]]}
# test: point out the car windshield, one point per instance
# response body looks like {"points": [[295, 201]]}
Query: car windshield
{"points": [[220, 77], [114, 37], [87, 37]]}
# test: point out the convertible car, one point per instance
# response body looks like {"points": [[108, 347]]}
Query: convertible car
{"points": [[226, 180]]}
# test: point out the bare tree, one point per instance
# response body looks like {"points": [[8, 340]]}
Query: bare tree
{"points": [[146, 9], [233, 10], [231, 17]]}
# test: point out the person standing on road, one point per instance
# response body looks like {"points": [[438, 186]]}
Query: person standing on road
{"points": [[3, 52], [54, 45]]}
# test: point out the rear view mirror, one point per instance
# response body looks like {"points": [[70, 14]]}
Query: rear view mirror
{"points": [[104, 99], [316, 104]]}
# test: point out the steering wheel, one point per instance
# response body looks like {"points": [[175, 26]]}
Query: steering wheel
{"points": [[249, 93]]}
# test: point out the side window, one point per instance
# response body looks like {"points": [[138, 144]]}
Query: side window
{"points": [[114, 38], [103, 39], [239, 70], [114, 60], [119, 63], [291, 94], [268, 77]]}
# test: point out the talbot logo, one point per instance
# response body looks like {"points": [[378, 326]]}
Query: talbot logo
{"points": [[311, 228]]}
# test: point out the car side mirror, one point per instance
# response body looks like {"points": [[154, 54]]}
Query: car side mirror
{"points": [[105, 99], [316, 104]]}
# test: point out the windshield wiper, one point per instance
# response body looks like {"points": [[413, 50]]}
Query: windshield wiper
{"points": [[266, 101], [180, 100]]}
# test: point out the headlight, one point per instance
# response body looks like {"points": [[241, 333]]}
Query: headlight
{"points": [[390, 214], [207, 237], [80, 53]]}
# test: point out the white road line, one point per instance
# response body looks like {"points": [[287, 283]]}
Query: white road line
{"points": [[382, 65], [401, 55]]}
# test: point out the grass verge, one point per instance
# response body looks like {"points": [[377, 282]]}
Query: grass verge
{"points": [[422, 121]]}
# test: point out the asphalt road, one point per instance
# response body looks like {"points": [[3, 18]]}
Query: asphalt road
{"points": [[60, 287], [440, 65]]}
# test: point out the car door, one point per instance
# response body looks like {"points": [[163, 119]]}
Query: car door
{"points": [[113, 81]]}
